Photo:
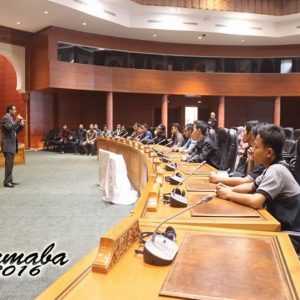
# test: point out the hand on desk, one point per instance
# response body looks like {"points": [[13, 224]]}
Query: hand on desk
{"points": [[223, 191], [213, 177]]}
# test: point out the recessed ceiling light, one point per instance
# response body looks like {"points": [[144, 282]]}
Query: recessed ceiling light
{"points": [[46, 12], [84, 24], [200, 37], [18, 23], [199, 102], [154, 35], [243, 41]]}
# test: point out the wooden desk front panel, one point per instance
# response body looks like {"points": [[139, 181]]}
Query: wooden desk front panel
{"points": [[136, 161], [19, 157], [132, 279], [265, 221]]}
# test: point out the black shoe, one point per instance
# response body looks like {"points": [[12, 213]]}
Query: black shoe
{"points": [[10, 185], [14, 183]]}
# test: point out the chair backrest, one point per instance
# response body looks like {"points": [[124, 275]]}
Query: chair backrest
{"points": [[297, 165], [222, 136], [212, 134], [289, 147], [231, 149], [296, 134], [289, 132]]}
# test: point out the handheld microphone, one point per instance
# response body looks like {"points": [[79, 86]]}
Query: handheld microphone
{"points": [[177, 198], [160, 250]]}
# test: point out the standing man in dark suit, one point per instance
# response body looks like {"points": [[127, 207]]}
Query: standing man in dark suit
{"points": [[10, 128]]}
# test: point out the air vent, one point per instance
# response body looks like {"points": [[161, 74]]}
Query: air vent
{"points": [[221, 25], [80, 1], [110, 13], [256, 28], [154, 21], [189, 23], [298, 27]]}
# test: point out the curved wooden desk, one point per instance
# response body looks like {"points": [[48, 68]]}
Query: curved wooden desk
{"points": [[130, 278], [19, 157]]}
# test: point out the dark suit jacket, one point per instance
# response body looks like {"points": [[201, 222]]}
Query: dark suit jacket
{"points": [[10, 129], [206, 150]]}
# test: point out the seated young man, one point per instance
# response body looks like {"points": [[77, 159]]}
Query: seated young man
{"points": [[160, 136], [248, 170], [177, 137], [276, 188], [190, 142], [205, 149]]}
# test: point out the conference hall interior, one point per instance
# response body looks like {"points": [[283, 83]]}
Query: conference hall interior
{"points": [[150, 149]]}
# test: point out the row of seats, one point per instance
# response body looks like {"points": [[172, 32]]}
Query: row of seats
{"points": [[291, 133]]}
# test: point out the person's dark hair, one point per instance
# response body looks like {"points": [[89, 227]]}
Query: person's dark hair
{"points": [[255, 128], [250, 124], [176, 125], [9, 107], [145, 125], [189, 126], [272, 136], [202, 126], [162, 126]]}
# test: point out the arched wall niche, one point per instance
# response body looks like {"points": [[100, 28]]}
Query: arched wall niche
{"points": [[16, 56]]}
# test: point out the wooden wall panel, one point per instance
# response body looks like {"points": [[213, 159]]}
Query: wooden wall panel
{"points": [[238, 110], [8, 93], [41, 116], [87, 77], [40, 62], [262, 6], [290, 112]]}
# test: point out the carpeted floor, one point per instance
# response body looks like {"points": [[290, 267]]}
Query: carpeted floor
{"points": [[57, 201]]}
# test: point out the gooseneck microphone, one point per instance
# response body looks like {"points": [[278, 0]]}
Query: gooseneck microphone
{"points": [[161, 251], [177, 197], [125, 134], [151, 140], [161, 141]]}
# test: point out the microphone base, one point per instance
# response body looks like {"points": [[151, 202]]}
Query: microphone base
{"points": [[160, 252], [178, 201], [175, 180]]}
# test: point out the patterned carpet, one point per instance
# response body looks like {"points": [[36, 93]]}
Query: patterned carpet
{"points": [[58, 201]]}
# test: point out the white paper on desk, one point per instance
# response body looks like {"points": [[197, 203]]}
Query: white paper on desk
{"points": [[113, 179]]}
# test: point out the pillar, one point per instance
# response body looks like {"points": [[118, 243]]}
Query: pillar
{"points": [[277, 109], [109, 110], [221, 112], [164, 112]]}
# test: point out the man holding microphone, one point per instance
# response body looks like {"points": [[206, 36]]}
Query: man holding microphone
{"points": [[10, 128]]}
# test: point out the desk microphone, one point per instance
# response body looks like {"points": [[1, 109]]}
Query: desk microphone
{"points": [[159, 250], [177, 197], [169, 143], [161, 141], [125, 134], [151, 140]]}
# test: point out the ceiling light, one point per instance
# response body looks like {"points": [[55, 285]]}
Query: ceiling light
{"points": [[84, 24], [45, 12], [200, 37], [18, 23], [199, 102], [243, 41], [154, 35]]}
